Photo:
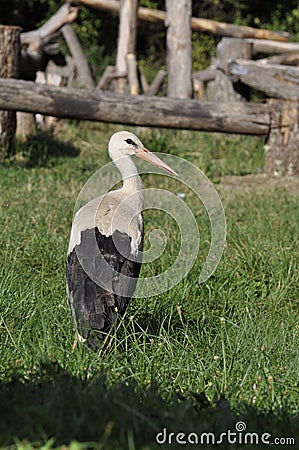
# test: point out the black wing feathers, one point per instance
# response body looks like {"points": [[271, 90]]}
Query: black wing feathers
{"points": [[96, 306]]}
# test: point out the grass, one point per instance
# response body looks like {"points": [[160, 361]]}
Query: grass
{"points": [[198, 358]]}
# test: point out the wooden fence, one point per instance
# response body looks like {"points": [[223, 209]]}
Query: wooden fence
{"points": [[220, 92]]}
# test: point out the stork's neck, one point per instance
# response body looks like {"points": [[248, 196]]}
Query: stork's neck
{"points": [[131, 180]]}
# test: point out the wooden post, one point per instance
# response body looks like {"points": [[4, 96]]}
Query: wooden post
{"points": [[282, 157], [26, 125], [222, 88], [198, 88], [132, 74], [126, 39], [9, 60], [179, 58]]}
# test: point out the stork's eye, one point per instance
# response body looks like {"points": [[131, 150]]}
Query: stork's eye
{"points": [[130, 142]]}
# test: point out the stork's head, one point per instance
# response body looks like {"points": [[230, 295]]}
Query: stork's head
{"points": [[125, 143]]}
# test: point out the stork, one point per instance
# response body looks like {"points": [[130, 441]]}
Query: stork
{"points": [[105, 248]]}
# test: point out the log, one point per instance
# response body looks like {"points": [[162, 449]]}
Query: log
{"points": [[268, 46], [282, 156], [259, 79], [156, 83], [197, 24], [66, 14], [77, 53], [178, 42], [205, 75], [236, 31], [132, 74], [126, 39], [136, 110], [288, 59], [278, 71], [9, 68]]}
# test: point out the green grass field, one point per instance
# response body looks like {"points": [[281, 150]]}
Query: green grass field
{"points": [[196, 359]]}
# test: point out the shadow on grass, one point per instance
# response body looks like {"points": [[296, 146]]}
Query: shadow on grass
{"points": [[42, 150], [52, 404]]}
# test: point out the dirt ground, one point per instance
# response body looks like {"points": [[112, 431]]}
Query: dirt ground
{"points": [[260, 182]]}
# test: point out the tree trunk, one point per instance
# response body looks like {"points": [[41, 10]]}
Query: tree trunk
{"points": [[243, 118], [9, 68], [126, 39], [179, 57]]}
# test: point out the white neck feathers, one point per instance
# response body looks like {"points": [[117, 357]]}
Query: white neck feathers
{"points": [[131, 180]]}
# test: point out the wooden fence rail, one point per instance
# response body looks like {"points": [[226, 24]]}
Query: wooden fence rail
{"points": [[197, 24], [242, 118]]}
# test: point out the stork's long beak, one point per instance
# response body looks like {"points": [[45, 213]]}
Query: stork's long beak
{"points": [[148, 156]]}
